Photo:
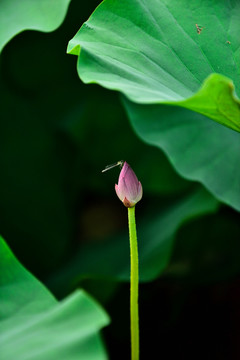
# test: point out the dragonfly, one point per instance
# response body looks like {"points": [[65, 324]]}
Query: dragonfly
{"points": [[109, 167]]}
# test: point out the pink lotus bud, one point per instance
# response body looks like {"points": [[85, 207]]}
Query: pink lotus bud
{"points": [[129, 189]]}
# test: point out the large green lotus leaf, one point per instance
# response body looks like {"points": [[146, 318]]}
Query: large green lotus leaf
{"points": [[162, 51], [153, 52], [34, 325], [17, 16], [110, 259]]}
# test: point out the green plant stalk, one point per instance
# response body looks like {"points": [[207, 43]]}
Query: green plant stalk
{"points": [[134, 284]]}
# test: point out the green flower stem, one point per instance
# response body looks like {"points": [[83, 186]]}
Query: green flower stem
{"points": [[134, 284]]}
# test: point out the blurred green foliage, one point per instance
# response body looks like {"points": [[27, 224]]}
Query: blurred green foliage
{"points": [[50, 329], [109, 258], [17, 16]]}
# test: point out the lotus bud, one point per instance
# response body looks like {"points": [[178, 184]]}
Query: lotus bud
{"points": [[129, 189]]}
